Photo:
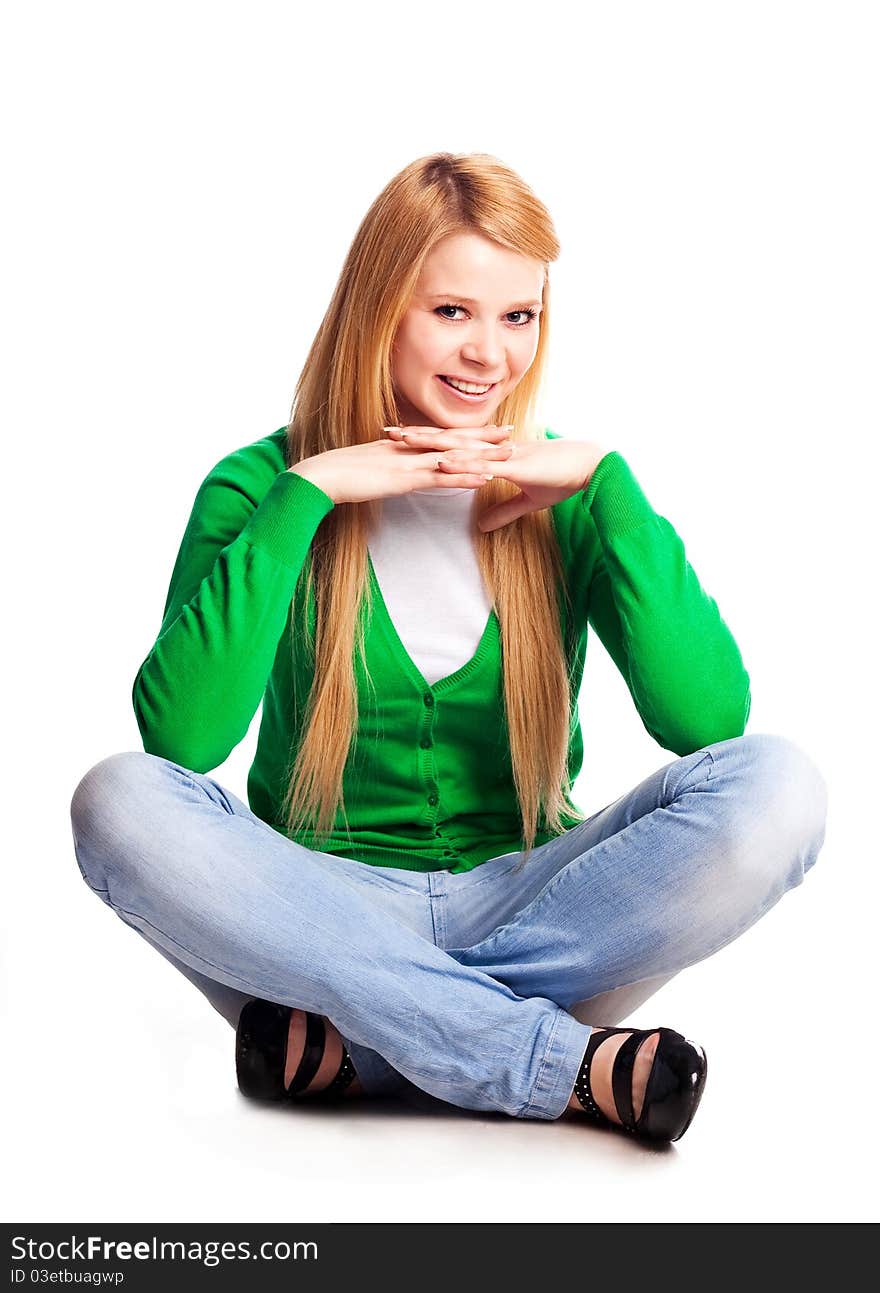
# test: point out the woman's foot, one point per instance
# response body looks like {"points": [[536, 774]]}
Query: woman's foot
{"points": [[330, 1064], [600, 1073], [647, 1081], [284, 1053]]}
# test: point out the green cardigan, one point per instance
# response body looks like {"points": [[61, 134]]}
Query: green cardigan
{"points": [[429, 783]]}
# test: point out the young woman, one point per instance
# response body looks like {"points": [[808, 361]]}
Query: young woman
{"points": [[404, 576]]}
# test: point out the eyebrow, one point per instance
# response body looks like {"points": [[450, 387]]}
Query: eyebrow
{"points": [[468, 300]]}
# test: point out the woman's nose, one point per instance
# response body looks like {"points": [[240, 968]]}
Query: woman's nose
{"points": [[486, 349]]}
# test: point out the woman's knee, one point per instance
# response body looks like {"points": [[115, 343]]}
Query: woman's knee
{"points": [[105, 807], [791, 778], [783, 808], [104, 788]]}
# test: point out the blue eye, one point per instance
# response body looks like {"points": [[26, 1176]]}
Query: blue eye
{"points": [[527, 311]]}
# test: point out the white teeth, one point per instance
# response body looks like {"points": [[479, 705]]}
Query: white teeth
{"points": [[469, 388]]}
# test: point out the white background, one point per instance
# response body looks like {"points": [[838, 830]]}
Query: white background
{"points": [[183, 182]]}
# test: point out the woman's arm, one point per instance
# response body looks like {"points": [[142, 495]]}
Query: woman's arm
{"points": [[230, 593], [665, 634]]}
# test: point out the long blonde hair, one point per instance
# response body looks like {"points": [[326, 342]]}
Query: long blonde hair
{"points": [[344, 397]]}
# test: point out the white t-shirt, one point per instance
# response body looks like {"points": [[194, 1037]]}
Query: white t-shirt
{"points": [[423, 552]]}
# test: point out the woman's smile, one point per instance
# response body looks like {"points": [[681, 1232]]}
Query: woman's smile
{"points": [[470, 396]]}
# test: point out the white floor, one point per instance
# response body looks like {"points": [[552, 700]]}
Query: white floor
{"points": [[121, 1099]]}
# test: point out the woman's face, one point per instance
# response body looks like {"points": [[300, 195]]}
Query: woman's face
{"points": [[491, 337]]}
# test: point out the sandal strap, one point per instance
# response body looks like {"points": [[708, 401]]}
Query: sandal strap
{"points": [[622, 1076], [312, 1054], [582, 1088], [344, 1078]]}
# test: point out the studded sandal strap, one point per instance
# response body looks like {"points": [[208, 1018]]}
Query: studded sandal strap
{"points": [[312, 1054], [621, 1077], [582, 1088], [344, 1078]]}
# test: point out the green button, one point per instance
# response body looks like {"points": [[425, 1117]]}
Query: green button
{"points": [[433, 799], [429, 699], [426, 743]]}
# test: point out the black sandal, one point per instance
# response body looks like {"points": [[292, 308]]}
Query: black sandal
{"points": [[261, 1050], [673, 1091]]}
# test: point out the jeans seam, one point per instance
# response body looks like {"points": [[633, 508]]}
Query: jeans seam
{"points": [[94, 888], [707, 754], [502, 871], [536, 1090], [120, 911]]}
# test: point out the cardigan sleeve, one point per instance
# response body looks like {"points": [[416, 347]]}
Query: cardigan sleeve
{"points": [[230, 593], [663, 631]]}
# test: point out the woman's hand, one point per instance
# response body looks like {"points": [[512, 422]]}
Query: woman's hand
{"points": [[546, 471], [384, 468]]}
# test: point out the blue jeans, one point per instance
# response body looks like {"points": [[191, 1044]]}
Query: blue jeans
{"points": [[478, 988]]}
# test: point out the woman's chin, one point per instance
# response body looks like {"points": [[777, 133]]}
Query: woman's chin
{"points": [[463, 417]]}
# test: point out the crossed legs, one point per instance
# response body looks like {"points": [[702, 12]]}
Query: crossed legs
{"points": [[654, 882]]}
